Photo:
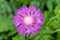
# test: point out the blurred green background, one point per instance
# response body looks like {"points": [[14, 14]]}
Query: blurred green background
{"points": [[51, 12]]}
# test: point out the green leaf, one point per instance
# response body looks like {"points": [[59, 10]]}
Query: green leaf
{"points": [[37, 37], [13, 4], [57, 30], [35, 3], [1, 37], [57, 10], [57, 1], [4, 7], [49, 5], [3, 24], [18, 37], [58, 36], [46, 15]]}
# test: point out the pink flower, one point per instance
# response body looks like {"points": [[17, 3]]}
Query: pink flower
{"points": [[28, 20]]}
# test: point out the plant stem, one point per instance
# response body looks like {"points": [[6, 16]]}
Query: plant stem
{"points": [[26, 37]]}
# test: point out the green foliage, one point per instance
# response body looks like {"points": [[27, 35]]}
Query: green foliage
{"points": [[49, 5], [18, 37], [57, 10], [34, 3], [51, 12], [57, 1]]}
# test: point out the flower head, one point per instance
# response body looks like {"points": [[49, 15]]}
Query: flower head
{"points": [[28, 20]]}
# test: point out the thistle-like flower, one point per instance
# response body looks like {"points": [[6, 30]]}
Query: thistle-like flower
{"points": [[28, 20]]}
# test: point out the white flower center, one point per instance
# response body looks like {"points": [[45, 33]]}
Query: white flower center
{"points": [[28, 20]]}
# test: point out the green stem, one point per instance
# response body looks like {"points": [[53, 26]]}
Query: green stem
{"points": [[26, 37]]}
